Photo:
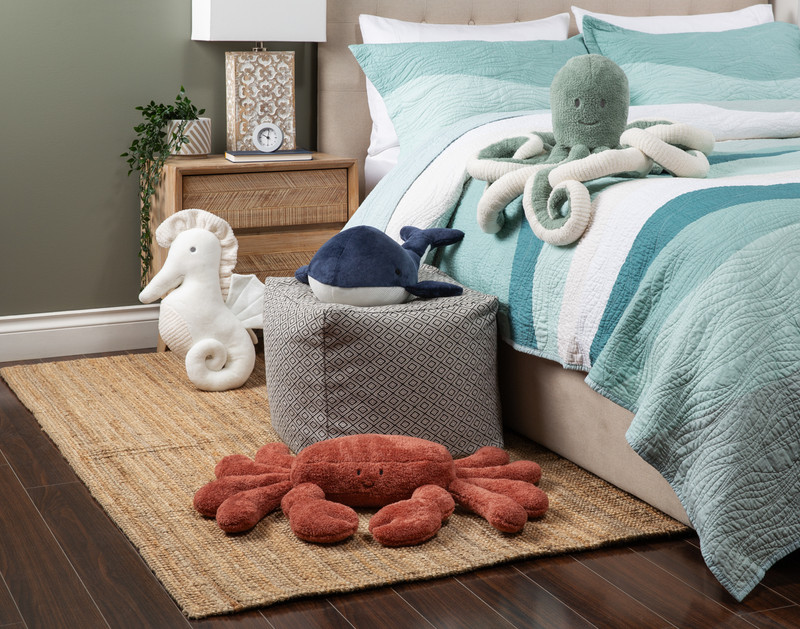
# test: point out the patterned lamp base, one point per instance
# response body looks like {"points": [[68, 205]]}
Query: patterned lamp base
{"points": [[259, 88]]}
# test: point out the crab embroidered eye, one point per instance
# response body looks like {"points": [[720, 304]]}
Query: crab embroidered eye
{"points": [[577, 102], [380, 472], [602, 102], [358, 472], [192, 249]]}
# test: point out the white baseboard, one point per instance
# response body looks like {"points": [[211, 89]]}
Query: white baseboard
{"points": [[51, 334]]}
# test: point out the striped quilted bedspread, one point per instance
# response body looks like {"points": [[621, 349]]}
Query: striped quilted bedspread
{"points": [[681, 302]]}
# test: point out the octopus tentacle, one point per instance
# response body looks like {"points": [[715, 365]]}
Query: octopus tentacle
{"points": [[533, 147], [555, 229], [500, 193], [603, 164], [691, 163], [684, 135]]}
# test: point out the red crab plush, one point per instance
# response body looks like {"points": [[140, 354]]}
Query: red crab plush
{"points": [[414, 481]]}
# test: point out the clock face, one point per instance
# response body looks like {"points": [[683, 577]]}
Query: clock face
{"points": [[267, 137]]}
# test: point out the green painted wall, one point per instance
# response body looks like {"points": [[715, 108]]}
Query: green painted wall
{"points": [[71, 73]]}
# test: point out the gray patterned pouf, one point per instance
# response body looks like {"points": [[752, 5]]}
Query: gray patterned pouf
{"points": [[426, 368]]}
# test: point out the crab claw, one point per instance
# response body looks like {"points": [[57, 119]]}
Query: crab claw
{"points": [[314, 519], [412, 521]]}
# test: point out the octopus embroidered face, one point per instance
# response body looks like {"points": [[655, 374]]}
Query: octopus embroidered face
{"points": [[589, 101]]}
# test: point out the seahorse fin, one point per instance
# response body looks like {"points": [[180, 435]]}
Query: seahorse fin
{"points": [[246, 300]]}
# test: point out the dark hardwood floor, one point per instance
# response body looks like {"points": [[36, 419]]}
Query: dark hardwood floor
{"points": [[63, 563]]}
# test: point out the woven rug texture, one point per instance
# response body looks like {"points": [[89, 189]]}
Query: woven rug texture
{"points": [[143, 440]]}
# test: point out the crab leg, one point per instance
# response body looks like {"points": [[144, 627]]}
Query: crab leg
{"points": [[209, 497], [244, 510], [502, 512], [241, 465], [528, 496], [487, 456], [270, 458], [518, 470], [275, 454]]}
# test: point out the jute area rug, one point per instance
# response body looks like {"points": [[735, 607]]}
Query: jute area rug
{"points": [[143, 440]]}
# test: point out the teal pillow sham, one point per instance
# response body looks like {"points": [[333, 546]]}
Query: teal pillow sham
{"points": [[754, 63], [429, 85]]}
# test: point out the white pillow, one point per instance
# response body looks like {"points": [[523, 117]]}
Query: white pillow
{"points": [[381, 30], [706, 22]]}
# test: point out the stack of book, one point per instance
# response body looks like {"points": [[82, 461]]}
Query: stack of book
{"points": [[277, 156]]}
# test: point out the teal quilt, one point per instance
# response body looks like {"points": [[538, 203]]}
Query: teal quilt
{"points": [[681, 303]]}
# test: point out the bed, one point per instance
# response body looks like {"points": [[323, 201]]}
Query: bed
{"points": [[619, 340]]}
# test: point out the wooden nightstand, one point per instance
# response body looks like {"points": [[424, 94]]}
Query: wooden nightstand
{"points": [[281, 212]]}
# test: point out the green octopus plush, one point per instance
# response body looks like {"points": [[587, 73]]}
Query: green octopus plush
{"points": [[591, 138]]}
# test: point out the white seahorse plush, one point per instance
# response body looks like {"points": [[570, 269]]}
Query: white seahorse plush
{"points": [[207, 311]]}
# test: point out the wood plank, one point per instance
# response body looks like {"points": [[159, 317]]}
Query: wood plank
{"points": [[30, 452], [784, 577], [685, 562], [9, 614], [447, 603], [107, 564], [504, 587], [382, 608], [660, 591], [584, 590], [39, 576], [244, 620], [780, 618], [304, 614]]}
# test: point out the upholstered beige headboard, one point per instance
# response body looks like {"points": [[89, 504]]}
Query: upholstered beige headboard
{"points": [[343, 117]]}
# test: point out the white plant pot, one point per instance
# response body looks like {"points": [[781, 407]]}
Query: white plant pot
{"points": [[198, 133]]}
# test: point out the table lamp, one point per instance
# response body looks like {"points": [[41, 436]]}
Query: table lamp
{"points": [[259, 83]]}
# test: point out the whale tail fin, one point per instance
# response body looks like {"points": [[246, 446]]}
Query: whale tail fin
{"points": [[418, 241], [430, 288]]}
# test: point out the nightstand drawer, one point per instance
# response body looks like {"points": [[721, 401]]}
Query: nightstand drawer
{"points": [[281, 212], [280, 253], [271, 199]]}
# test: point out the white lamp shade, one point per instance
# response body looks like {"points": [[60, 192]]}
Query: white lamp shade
{"points": [[258, 20]]}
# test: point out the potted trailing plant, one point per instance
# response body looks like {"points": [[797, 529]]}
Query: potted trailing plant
{"points": [[166, 130]]}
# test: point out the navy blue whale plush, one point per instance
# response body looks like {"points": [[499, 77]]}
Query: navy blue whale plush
{"points": [[362, 266]]}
